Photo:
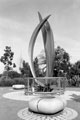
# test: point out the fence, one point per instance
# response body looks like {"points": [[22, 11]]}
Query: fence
{"points": [[56, 84]]}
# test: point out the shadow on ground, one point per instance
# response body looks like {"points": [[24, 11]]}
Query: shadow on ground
{"points": [[76, 98]]}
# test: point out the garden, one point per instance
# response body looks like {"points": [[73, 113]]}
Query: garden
{"points": [[62, 68], [47, 88], [14, 102]]}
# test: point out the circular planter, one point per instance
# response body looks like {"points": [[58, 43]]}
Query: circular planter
{"points": [[47, 105], [18, 86]]}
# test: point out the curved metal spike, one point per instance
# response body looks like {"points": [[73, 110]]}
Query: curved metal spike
{"points": [[43, 29], [31, 47], [48, 46], [50, 53]]}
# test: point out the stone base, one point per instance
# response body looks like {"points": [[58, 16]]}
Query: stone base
{"points": [[66, 114], [46, 105]]}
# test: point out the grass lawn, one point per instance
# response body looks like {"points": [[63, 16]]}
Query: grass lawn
{"points": [[9, 108]]}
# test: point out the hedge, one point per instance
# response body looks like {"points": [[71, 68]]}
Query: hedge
{"points": [[9, 82]]}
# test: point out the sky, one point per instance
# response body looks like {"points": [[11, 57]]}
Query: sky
{"points": [[18, 19]]}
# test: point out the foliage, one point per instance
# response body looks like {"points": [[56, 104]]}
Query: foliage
{"points": [[13, 74], [62, 67], [46, 88], [74, 70], [0, 75], [75, 81], [19, 81], [61, 63], [7, 58], [77, 68], [36, 66], [9, 82], [25, 70], [74, 74], [6, 81]]}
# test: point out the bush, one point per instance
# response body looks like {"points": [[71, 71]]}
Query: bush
{"points": [[74, 82], [19, 81], [4, 81], [11, 74]]}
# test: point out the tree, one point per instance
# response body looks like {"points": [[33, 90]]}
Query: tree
{"points": [[13, 74], [36, 67], [74, 74], [61, 63], [77, 68], [7, 58], [25, 70]]}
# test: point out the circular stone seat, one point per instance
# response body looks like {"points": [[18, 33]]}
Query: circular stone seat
{"points": [[18, 86], [47, 105]]}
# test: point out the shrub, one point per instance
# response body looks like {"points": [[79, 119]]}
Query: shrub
{"points": [[11, 74], [4, 81], [19, 81]]}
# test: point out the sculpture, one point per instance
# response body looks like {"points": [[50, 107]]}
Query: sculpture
{"points": [[31, 46], [48, 46], [47, 104]]}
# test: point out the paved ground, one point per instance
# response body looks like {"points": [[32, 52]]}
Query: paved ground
{"points": [[75, 103], [9, 108]]}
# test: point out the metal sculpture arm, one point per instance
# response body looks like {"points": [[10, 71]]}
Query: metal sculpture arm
{"points": [[50, 53], [48, 47], [31, 46], [43, 29]]}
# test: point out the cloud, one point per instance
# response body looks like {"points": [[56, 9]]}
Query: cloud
{"points": [[76, 4]]}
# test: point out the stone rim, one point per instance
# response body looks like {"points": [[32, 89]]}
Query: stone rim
{"points": [[66, 114]]}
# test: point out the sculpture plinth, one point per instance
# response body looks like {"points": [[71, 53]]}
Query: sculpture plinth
{"points": [[47, 105]]}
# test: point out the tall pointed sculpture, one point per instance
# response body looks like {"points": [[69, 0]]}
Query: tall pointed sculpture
{"points": [[45, 104], [31, 47], [48, 47]]}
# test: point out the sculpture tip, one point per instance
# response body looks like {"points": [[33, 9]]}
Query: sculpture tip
{"points": [[38, 12], [48, 16]]}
